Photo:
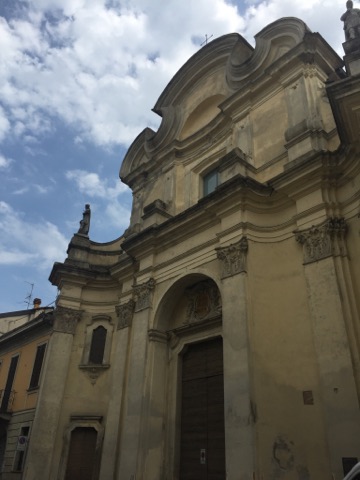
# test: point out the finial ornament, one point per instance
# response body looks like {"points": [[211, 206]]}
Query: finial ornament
{"points": [[85, 222], [351, 19]]}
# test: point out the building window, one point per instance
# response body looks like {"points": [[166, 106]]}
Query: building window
{"points": [[39, 358], [97, 347], [21, 446], [210, 182], [7, 395]]}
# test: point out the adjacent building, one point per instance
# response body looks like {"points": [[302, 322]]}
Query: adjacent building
{"points": [[218, 337], [22, 355]]}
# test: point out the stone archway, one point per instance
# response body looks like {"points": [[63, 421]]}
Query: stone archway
{"points": [[189, 323]]}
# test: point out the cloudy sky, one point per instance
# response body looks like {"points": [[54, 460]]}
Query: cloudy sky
{"points": [[78, 79]]}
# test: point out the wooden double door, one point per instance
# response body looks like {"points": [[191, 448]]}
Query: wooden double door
{"points": [[202, 445]]}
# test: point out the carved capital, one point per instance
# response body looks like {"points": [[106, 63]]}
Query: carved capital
{"points": [[143, 294], [233, 258], [125, 314], [66, 319], [323, 240], [157, 336], [204, 302]]}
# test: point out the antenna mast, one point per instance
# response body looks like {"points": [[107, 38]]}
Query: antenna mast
{"points": [[28, 298]]}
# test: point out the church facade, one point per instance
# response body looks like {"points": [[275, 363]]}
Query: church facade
{"points": [[218, 338]]}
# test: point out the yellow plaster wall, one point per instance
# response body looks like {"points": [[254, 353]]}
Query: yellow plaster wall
{"points": [[284, 363], [23, 398]]}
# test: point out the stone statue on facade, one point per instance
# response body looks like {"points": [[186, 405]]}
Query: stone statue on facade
{"points": [[85, 222], [351, 19]]}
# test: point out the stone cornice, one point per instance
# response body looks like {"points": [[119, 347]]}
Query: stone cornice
{"points": [[344, 96], [81, 273], [315, 171], [199, 215], [39, 326]]}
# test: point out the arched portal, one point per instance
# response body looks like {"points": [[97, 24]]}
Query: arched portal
{"points": [[186, 380]]}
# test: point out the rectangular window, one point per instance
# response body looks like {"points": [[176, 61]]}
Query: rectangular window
{"points": [[8, 394], [97, 346], [21, 449], [211, 181], [39, 358]]}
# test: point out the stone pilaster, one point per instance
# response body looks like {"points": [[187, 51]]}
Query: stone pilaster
{"points": [[322, 246], [239, 427], [154, 408], [134, 402], [42, 444], [110, 452]]}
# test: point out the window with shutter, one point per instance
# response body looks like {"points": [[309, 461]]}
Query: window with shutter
{"points": [[39, 358]]}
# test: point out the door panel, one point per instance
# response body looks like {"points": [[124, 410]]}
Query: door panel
{"points": [[202, 417], [81, 459]]}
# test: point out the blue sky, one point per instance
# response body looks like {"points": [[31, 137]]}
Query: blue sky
{"points": [[78, 79]]}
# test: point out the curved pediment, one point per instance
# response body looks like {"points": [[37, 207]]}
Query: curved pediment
{"points": [[189, 102], [206, 111], [197, 99], [273, 42], [136, 156], [191, 99]]}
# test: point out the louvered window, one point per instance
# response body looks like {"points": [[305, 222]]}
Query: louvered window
{"points": [[39, 358]]}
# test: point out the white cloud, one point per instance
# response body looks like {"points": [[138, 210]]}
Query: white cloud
{"points": [[28, 244], [92, 185], [4, 122], [117, 214], [100, 66], [4, 162], [21, 191], [106, 199]]}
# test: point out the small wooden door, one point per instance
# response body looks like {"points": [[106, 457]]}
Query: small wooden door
{"points": [[202, 445], [81, 458]]}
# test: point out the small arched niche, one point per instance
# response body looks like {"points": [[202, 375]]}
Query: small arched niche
{"points": [[206, 111]]}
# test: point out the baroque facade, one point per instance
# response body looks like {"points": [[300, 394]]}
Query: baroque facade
{"points": [[219, 336]]}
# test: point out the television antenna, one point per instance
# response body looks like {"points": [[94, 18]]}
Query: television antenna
{"points": [[28, 298]]}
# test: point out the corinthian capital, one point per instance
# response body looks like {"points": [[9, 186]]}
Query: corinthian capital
{"points": [[233, 258], [323, 240], [66, 319], [125, 314], [142, 294]]}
